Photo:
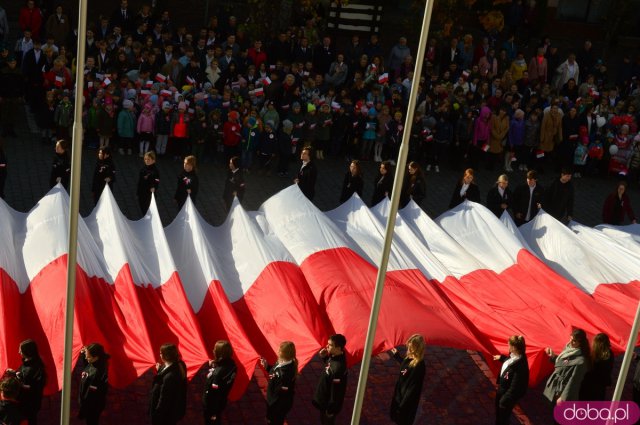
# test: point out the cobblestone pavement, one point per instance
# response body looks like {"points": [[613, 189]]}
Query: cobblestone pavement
{"points": [[458, 389]]}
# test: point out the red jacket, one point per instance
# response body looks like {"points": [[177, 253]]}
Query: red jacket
{"points": [[256, 57], [231, 133], [31, 19]]}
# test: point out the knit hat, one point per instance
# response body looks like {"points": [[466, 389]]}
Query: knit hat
{"points": [[295, 105], [287, 125], [131, 94], [270, 123], [127, 104], [310, 107], [166, 105], [233, 115], [252, 121]]}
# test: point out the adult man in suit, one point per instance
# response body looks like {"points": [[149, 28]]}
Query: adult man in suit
{"points": [[122, 17], [32, 65], [307, 175], [450, 55], [527, 199]]}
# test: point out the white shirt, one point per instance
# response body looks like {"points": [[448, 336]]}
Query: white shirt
{"points": [[463, 189], [506, 364], [528, 216]]}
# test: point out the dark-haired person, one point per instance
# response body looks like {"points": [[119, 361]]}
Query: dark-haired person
{"points": [[353, 182], [332, 385], [406, 395], [94, 383], [383, 183], [218, 383], [61, 166], [33, 378], [513, 379], [527, 199], [104, 173], [570, 367], [234, 184], [499, 197], [465, 189], [10, 413], [615, 206], [169, 389], [282, 383], [598, 378], [414, 186], [307, 175], [558, 198], [188, 182], [148, 181]]}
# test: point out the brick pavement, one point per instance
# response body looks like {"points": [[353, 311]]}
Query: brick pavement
{"points": [[457, 389]]}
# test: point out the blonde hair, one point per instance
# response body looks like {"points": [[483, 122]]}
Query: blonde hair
{"points": [[416, 346], [151, 155], [503, 178], [191, 160], [517, 342]]}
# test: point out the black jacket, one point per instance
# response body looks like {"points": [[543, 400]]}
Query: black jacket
{"points": [[332, 385], [472, 194], [350, 185], [382, 187], [169, 394], [148, 179], [406, 396], [513, 382], [217, 386], [94, 383], [559, 199], [10, 413], [186, 181], [61, 168], [415, 190], [521, 202], [233, 183], [33, 378], [596, 381], [281, 390], [104, 169], [307, 176], [494, 200]]}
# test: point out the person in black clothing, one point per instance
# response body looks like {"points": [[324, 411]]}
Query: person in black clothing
{"points": [[33, 378], [499, 197], [3, 168], [513, 379], [234, 184], [306, 179], [465, 189], [332, 385], [415, 185], [10, 413], [406, 395], [353, 182], [383, 183], [218, 383], [559, 197], [527, 199], [187, 182], [94, 383], [284, 148], [282, 383], [169, 389], [61, 167], [598, 378], [104, 174], [148, 181]]}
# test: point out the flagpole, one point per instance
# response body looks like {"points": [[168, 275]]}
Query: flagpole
{"points": [[74, 207], [628, 355], [391, 220]]}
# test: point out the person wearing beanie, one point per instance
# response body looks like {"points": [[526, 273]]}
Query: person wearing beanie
{"points": [[297, 118], [163, 128], [267, 147], [285, 147], [126, 126]]}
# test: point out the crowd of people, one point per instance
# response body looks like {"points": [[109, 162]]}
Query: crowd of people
{"points": [[210, 93]]}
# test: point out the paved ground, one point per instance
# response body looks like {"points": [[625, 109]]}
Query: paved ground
{"points": [[458, 387]]}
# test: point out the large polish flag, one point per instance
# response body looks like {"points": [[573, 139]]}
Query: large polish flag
{"points": [[342, 279], [146, 284], [244, 288], [591, 260], [523, 285]]}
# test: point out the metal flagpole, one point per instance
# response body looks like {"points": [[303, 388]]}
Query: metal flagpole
{"points": [[391, 220], [626, 361], [74, 206]]}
